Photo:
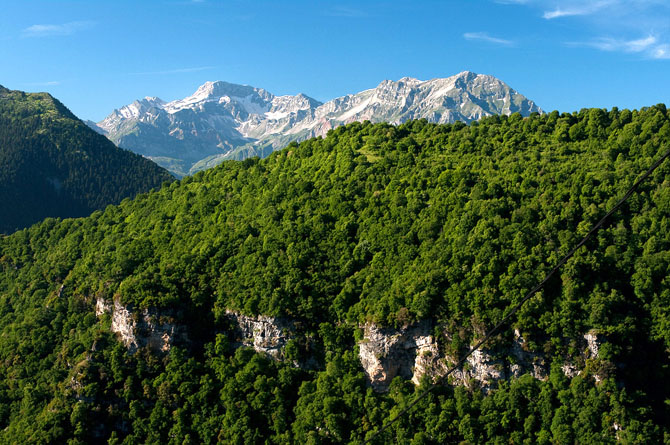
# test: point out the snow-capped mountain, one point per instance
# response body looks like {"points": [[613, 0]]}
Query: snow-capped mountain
{"points": [[228, 121]]}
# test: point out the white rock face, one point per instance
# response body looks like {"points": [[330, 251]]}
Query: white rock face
{"points": [[482, 369], [124, 325], [526, 361], [593, 343], [148, 328], [267, 335], [227, 121], [411, 352], [386, 353], [427, 361]]}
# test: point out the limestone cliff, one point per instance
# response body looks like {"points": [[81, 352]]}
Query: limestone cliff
{"points": [[147, 328], [409, 352], [412, 352], [267, 335]]}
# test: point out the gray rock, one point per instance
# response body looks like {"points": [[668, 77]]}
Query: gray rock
{"points": [[267, 335], [411, 353], [150, 328]]}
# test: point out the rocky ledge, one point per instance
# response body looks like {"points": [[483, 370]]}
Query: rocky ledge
{"points": [[412, 352], [267, 335], [148, 328]]}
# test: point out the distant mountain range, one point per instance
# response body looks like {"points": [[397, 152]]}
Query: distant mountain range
{"points": [[52, 164], [228, 121]]}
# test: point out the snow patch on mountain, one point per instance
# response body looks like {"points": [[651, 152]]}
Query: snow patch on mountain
{"points": [[221, 120]]}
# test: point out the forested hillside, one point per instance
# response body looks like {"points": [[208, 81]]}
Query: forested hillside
{"points": [[52, 164], [373, 224]]}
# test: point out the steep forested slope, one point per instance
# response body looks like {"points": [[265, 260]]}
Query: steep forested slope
{"points": [[52, 164], [372, 224]]}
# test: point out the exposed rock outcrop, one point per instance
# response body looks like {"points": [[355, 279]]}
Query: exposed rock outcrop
{"points": [[526, 361], [149, 328], [593, 343], [267, 335], [411, 352], [481, 368]]}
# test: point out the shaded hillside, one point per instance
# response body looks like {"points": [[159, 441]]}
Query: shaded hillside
{"points": [[129, 325], [52, 164]]}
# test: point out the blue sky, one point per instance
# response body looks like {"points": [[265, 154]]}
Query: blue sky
{"points": [[563, 54]]}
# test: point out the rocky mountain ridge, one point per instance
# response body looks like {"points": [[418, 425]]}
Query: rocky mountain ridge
{"points": [[222, 120]]}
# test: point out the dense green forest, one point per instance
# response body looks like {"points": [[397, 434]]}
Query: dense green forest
{"points": [[373, 223], [52, 164]]}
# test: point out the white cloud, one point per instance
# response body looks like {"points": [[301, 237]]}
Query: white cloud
{"points": [[56, 30], [648, 46], [558, 12], [484, 37], [639, 44], [661, 52], [582, 8], [342, 11], [620, 21], [176, 71]]}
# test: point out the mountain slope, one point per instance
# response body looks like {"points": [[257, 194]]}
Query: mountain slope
{"points": [[347, 261], [227, 121], [52, 164]]}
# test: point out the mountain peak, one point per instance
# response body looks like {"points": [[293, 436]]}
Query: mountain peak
{"points": [[219, 88], [210, 88], [147, 103], [154, 99], [467, 74], [139, 107], [408, 79], [223, 120]]}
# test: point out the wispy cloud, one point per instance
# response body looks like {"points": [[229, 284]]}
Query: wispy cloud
{"points": [[484, 37], [611, 25], [649, 46], [63, 29], [558, 12], [661, 51], [50, 83], [174, 71], [512, 2], [633, 46], [582, 8], [342, 11]]}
